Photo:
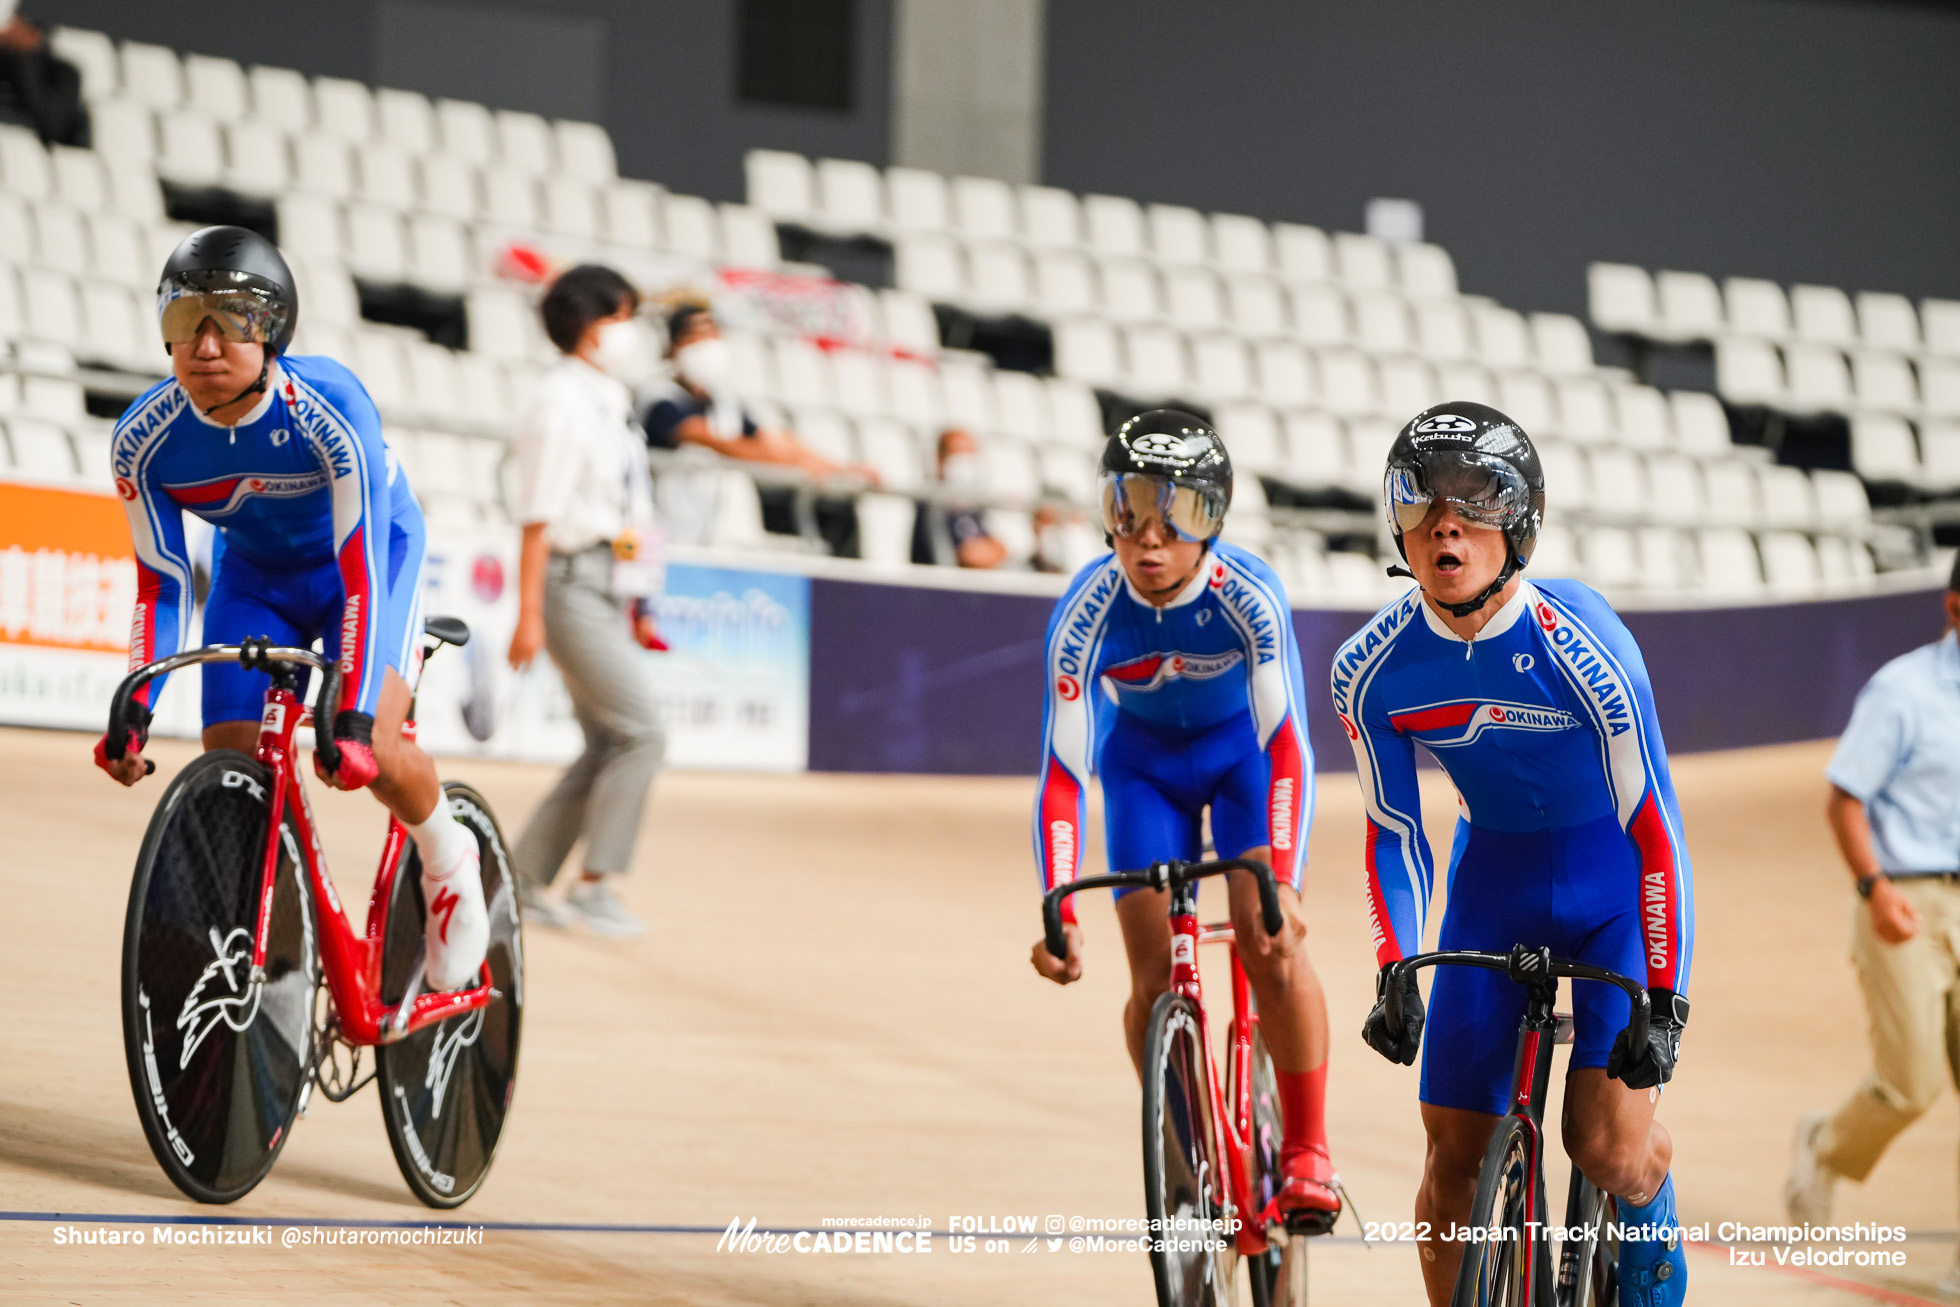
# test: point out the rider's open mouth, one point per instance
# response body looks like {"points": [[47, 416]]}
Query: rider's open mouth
{"points": [[1448, 563]]}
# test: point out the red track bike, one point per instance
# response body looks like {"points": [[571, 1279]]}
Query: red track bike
{"points": [[233, 920], [1210, 1152]]}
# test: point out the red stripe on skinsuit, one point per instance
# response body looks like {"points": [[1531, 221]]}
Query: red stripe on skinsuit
{"points": [[1059, 800]]}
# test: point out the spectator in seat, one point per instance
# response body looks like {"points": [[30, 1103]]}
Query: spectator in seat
{"points": [[698, 408], [46, 89], [957, 513]]}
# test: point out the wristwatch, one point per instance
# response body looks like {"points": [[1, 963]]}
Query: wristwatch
{"points": [[1866, 882]]}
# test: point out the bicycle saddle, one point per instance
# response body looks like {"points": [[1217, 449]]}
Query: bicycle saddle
{"points": [[449, 630]]}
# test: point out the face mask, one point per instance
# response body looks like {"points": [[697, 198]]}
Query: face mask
{"points": [[622, 352], [961, 473], [705, 363]]}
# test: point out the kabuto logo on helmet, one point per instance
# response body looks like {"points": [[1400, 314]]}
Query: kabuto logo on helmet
{"points": [[1163, 445], [1446, 424]]}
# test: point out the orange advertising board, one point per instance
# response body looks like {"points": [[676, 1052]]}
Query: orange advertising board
{"points": [[67, 571]]}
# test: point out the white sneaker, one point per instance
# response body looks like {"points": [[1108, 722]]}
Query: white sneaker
{"points": [[594, 903], [539, 909], [457, 928], [1807, 1193]]}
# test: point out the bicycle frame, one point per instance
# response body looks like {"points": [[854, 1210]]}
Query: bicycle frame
{"points": [[1232, 1131], [350, 960], [1540, 1030]]}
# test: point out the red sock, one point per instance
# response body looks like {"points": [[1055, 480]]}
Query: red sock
{"points": [[1302, 1105]]}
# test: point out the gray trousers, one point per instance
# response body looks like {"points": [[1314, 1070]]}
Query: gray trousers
{"points": [[603, 795]]}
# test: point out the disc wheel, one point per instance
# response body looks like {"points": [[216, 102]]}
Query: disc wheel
{"points": [[1589, 1266], [447, 1088], [1278, 1276], [216, 1063], [1500, 1254], [1184, 1185]]}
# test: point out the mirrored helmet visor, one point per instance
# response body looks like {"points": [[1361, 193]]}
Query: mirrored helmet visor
{"points": [[1131, 501], [1478, 487], [245, 308]]}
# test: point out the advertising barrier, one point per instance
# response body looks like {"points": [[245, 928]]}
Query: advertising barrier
{"points": [[67, 588]]}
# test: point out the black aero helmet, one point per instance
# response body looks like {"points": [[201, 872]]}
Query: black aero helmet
{"points": [[235, 277], [1483, 465], [1168, 464]]}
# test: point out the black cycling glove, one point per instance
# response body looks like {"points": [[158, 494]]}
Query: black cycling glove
{"points": [[1653, 1062], [1396, 1041]]}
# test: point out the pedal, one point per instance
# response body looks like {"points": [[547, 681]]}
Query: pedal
{"points": [[1565, 1028]]}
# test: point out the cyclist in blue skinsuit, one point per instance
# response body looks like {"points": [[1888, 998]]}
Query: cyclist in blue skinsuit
{"points": [[1534, 699], [318, 537], [1174, 676]]}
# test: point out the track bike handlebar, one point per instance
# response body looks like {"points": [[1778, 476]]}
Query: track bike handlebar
{"points": [[1161, 875], [260, 655], [1527, 966]]}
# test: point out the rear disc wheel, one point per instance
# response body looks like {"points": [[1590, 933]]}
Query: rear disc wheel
{"points": [[446, 1089], [217, 1063]]}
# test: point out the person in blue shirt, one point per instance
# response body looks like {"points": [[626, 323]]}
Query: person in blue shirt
{"points": [[1894, 807], [318, 537], [1534, 699], [1173, 675]]}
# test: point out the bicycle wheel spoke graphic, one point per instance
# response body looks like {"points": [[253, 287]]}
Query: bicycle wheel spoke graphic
{"points": [[1496, 1264], [1589, 1267], [1183, 1185], [216, 1063], [446, 1089], [1278, 1276]]}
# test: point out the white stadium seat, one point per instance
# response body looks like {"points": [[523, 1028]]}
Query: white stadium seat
{"points": [[124, 130], [1664, 558], [997, 276], [1883, 448], [510, 197], [216, 87], [152, 75], [1251, 433], [1192, 298], [1408, 385], [1010, 470], [257, 161], [1939, 387], [524, 142], [1610, 557], [1679, 495], [1568, 481], [1320, 315], [1287, 376], [117, 251], [1064, 282], [929, 265], [1241, 244], [1113, 225], [1381, 322], [1940, 321], [377, 246], [801, 372], [1789, 563], [465, 129], [1443, 331], [24, 166], [1425, 272], [60, 239], [52, 311], [405, 120], [1556, 553], [1939, 452], [41, 451], [918, 200], [1819, 378], [1888, 322], [192, 152], [1074, 412], [826, 434], [1643, 417], [281, 98], [438, 253], [1786, 497], [1733, 496], [344, 108], [967, 390], [1526, 398], [1749, 371], [892, 449], [323, 163], [1130, 291], [451, 186], [909, 323], [79, 178], [1221, 367], [1362, 262], [1701, 424], [885, 529], [1050, 218], [1728, 563], [850, 195], [1756, 308], [1620, 487], [1822, 315], [630, 214], [1158, 363], [1021, 406], [1842, 504], [94, 56], [1503, 341], [1620, 297], [502, 323], [1316, 450], [1463, 381], [912, 390], [858, 383], [1347, 383], [585, 153], [1561, 345], [1179, 235], [1690, 306], [1258, 305], [55, 399], [571, 209], [1302, 253], [1884, 382], [385, 174], [984, 210]]}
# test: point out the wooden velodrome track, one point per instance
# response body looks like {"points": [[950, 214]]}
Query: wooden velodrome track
{"points": [[834, 1017]]}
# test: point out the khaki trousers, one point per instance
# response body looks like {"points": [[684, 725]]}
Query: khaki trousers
{"points": [[1912, 994]]}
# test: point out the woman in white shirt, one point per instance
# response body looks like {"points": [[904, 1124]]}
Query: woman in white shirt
{"points": [[587, 574]]}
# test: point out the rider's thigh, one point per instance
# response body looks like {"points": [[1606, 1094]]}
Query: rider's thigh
{"points": [[1144, 916], [242, 736], [1607, 1127]]}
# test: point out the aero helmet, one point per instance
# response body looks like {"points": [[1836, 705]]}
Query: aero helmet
{"points": [[235, 277], [1480, 462], [1167, 464]]}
